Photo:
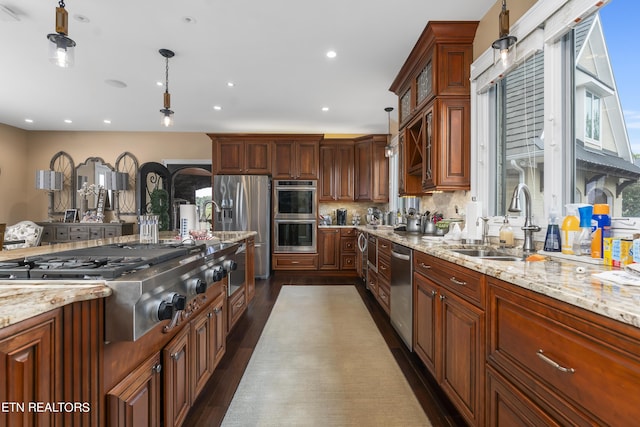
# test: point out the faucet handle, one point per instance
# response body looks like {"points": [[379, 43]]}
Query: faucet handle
{"points": [[532, 228]]}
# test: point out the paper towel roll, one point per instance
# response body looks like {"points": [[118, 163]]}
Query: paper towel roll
{"points": [[188, 219], [473, 212]]}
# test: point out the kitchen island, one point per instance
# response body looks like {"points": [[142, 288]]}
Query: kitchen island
{"points": [[58, 367]]}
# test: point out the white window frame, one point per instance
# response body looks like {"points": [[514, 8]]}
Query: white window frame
{"points": [[542, 27], [589, 98]]}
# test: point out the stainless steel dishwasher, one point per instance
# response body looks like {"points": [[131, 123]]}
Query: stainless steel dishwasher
{"points": [[402, 293]]}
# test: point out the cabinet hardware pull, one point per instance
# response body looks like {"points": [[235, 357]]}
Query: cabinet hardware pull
{"points": [[176, 355], [442, 297], [423, 265], [553, 363], [217, 310], [239, 304], [295, 262], [157, 368], [434, 293], [209, 315], [458, 282]]}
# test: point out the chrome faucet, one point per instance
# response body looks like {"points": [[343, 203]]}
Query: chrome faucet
{"points": [[528, 228], [212, 202], [485, 229]]}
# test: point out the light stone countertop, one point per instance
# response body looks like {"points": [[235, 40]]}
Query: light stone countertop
{"points": [[555, 278], [23, 299]]}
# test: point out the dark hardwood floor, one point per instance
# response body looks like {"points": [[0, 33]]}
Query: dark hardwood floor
{"points": [[211, 405]]}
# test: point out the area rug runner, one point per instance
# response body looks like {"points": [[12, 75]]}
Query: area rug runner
{"points": [[321, 361]]}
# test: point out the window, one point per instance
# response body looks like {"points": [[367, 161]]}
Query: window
{"points": [[592, 118], [554, 120]]}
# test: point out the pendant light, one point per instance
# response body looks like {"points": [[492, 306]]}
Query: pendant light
{"points": [[388, 149], [167, 114], [505, 41], [61, 47]]}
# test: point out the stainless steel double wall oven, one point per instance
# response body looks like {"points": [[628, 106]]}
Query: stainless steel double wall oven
{"points": [[295, 216]]}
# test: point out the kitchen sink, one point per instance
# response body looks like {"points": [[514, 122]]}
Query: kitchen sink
{"points": [[487, 253]]}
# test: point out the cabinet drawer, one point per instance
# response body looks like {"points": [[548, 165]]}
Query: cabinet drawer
{"points": [[348, 262], [383, 293], [463, 282], [384, 248], [112, 232], [564, 359], [62, 233], [96, 232], [348, 245], [237, 305], [79, 235], [295, 262], [348, 232], [372, 282], [384, 267]]}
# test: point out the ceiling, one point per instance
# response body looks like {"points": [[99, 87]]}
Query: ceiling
{"points": [[274, 51]]}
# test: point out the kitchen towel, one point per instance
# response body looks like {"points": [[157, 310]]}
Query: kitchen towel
{"points": [[473, 212]]}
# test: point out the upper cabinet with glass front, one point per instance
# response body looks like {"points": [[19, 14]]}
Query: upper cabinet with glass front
{"points": [[433, 91]]}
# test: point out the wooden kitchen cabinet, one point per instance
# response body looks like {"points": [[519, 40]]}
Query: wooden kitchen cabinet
{"points": [[176, 361], [31, 369], [295, 261], [208, 338], [372, 169], [241, 155], [348, 249], [328, 248], [297, 158], [434, 110], [563, 364], [449, 331], [135, 401], [337, 169], [237, 306]]}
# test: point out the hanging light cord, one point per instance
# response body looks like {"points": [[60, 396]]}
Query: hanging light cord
{"points": [[166, 73]]}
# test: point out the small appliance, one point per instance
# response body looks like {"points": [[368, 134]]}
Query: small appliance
{"points": [[341, 216]]}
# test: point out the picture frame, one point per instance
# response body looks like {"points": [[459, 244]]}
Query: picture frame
{"points": [[70, 215]]}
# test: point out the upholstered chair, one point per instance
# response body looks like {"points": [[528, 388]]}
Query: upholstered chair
{"points": [[28, 231]]}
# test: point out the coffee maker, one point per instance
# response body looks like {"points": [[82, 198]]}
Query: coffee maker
{"points": [[341, 216]]}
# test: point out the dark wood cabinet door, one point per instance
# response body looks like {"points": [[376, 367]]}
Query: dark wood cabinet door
{"points": [[329, 248], [218, 329], [425, 321], [250, 268], [380, 165], [462, 366], [283, 160], [258, 157], [453, 159], [345, 173], [202, 349], [327, 185], [363, 155], [135, 401], [229, 157], [307, 160], [177, 385], [30, 359]]}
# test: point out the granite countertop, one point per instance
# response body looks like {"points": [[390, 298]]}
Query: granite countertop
{"points": [[564, 280], [23, 299]]}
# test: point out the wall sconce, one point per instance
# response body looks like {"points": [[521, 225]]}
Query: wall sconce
{"points": [[49, 181], [61, 47], [505, 41], [167, 114], [116, 182], [388, 149]]}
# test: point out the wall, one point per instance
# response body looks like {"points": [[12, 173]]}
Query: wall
{"points": [[39, 147], [15, 177]]}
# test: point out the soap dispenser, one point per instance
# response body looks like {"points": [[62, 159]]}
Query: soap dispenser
{"points": [[506, 234], [583, 245], [552, 241]]}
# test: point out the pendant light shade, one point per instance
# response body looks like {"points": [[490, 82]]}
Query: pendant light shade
{"points": [[167, 114], [61, 47], [505, 41], [388, 149]]}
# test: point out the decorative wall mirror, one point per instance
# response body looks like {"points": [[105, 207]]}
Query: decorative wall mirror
{"points": [[64, 199], [90, 175]]}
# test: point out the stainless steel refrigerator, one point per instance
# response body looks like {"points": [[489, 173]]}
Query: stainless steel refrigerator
{"points": [[245, 205]]}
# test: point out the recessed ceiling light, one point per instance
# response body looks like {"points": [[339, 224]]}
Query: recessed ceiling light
{"points": [[217, 107], [159, 84], [331, 54], [106, 121], [116, 83], [28, 120], [325, 108], [68, 121], [231, 84], [189, 20]]}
